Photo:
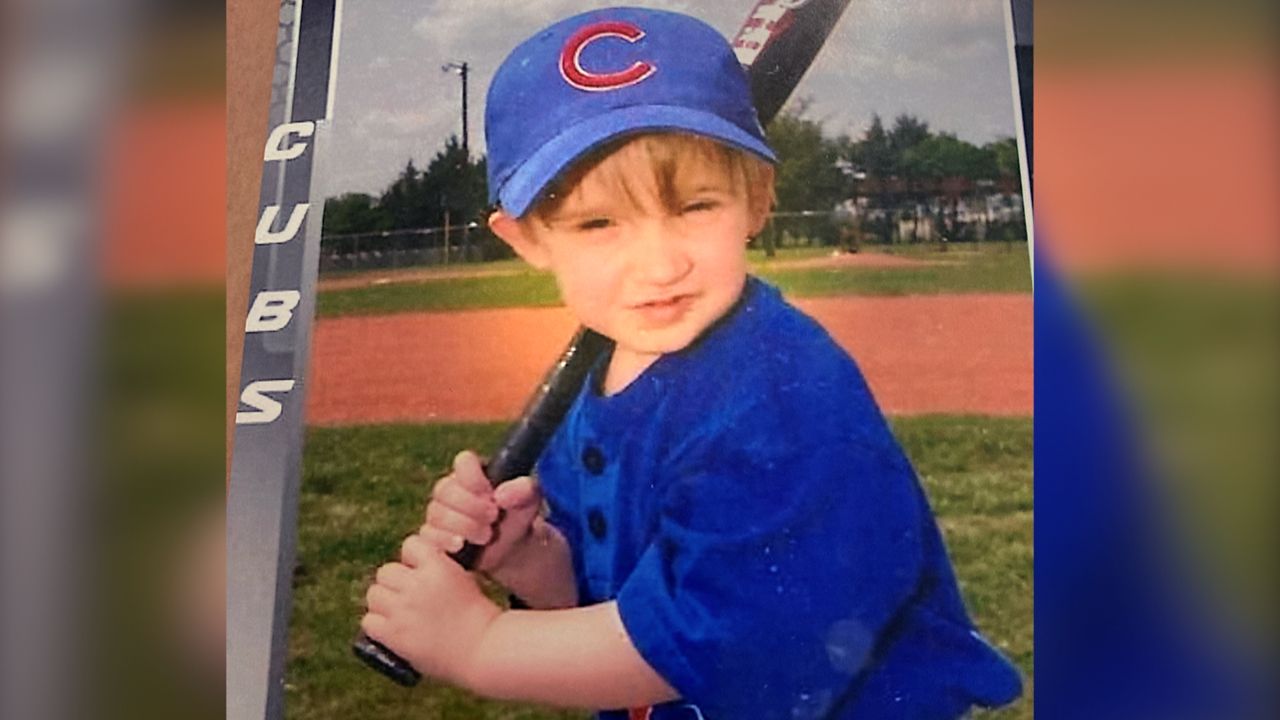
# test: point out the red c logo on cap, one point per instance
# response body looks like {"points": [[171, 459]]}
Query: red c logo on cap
{"points": [[570, 58]]}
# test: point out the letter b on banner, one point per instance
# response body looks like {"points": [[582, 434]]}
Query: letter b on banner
{"points": [[272, 310]]}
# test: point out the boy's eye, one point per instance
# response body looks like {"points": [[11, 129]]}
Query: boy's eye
{"points": [[593, 224], [698, 206]]}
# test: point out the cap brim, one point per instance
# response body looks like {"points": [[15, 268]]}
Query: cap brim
{"points": [[530, 179]]}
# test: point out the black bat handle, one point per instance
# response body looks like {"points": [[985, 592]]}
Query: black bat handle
{"points": [[381, 658], [515, 457]]}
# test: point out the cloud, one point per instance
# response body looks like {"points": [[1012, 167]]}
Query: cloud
{"points": [[938, 33], [931, 58], [905, 67], [461, 25], [406, 123]]}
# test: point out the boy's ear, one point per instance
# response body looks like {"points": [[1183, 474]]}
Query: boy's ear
{"points": [[760, 202], [759, 218], [520, 239]]}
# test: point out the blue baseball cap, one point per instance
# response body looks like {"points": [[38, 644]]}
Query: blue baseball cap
{"points": [[602, 75]]}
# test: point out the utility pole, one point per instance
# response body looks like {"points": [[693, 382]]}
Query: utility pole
{"points": [[461, 69]]}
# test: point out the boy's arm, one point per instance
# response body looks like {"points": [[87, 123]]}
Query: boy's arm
{"points": [[580, 657], [540, 570], [431, 612]]}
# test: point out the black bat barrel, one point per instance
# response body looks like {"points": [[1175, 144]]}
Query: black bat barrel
{"points": [[778, 49]]}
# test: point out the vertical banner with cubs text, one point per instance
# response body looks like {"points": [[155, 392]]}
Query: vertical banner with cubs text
{"points": [[263, 489]]}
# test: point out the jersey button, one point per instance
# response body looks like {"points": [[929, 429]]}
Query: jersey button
{"points": [[596, 524], [593, 459]]}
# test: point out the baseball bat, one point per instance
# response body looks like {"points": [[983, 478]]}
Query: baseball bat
{"points": [[776, 45]]}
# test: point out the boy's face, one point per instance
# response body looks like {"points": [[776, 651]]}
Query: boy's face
{"points": [[650, 272]]}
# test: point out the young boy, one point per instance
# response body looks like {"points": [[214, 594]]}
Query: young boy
{"points": [[731, 530]]}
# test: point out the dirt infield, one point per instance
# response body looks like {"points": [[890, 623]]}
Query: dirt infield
{"points": [[921, 354]]}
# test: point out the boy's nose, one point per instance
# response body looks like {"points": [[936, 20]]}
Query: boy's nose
{"points": [[661, 258]]}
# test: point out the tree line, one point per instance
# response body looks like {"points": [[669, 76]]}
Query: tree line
{"points": [[906, 170], [452, 184]]}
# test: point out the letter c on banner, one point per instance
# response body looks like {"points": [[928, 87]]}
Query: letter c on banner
{"points": [[274, 150]]}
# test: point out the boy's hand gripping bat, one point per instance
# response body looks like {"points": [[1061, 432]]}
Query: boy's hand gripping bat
{"points": [[776, 45]]}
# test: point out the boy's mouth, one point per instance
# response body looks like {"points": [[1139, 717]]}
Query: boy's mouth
{"points": [[665, 309]]}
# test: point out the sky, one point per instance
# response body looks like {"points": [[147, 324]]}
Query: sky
{"points": [[943, 61]]}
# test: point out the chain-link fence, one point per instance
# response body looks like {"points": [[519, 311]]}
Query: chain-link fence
{"points": [[467, 243], [853, 225]]}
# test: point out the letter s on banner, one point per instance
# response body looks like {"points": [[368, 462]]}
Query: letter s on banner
{"points": [[265, 409]]}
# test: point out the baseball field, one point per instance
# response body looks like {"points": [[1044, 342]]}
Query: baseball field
{"points": [[409, 366]]}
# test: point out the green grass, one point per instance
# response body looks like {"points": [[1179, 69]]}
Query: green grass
{"points": [[977, 472], [756, 256], [365, 487], [990, 270], [994, 267], [528, 289]]}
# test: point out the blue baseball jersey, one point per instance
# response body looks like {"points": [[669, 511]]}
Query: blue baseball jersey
{"points": [[768, 544]]}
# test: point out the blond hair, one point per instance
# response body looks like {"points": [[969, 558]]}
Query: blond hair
{"points": [[665, 154]]}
